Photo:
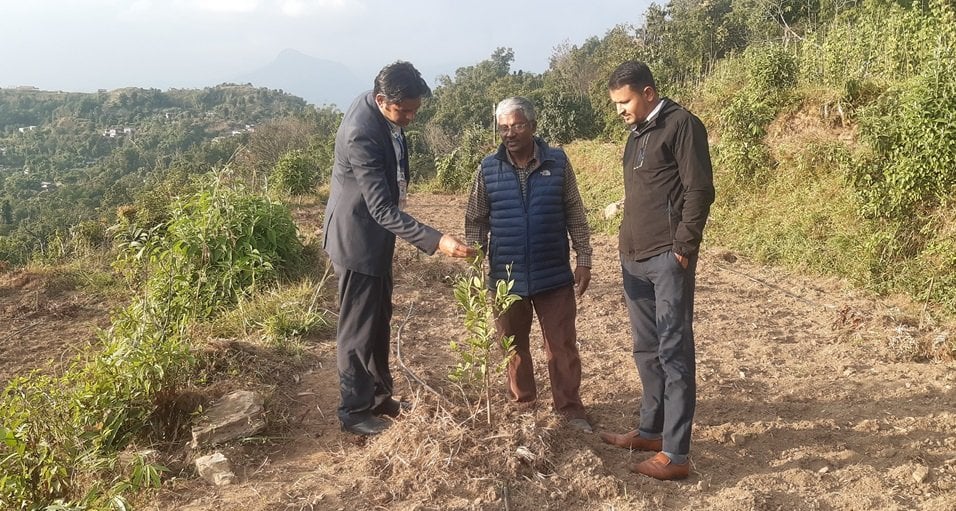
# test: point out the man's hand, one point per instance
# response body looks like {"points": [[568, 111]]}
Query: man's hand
{"points": [[582, 277], [452, 247], [683, 261]]}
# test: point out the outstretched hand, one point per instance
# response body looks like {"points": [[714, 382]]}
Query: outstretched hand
{"points": [[452, 247]]}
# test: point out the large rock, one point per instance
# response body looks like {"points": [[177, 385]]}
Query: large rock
{"points": [[216, 469], [236, 415]]}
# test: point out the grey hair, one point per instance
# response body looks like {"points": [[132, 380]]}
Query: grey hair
{"points": [[513, 104]]}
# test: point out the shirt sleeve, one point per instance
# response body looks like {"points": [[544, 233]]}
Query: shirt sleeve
{"points": [[576, 219], [478, 214]]}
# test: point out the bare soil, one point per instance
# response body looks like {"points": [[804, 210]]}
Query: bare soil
{"points": [[808, 398], [44, 321]]}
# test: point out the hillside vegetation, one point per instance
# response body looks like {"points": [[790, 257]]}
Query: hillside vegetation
{"points": [[833, 131], [68, 160]]}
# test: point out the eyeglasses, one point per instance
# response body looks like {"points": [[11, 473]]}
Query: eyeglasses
{"points": [[517, 127]]}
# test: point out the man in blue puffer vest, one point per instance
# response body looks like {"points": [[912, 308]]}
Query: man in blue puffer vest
{"points": [[525, 198]]}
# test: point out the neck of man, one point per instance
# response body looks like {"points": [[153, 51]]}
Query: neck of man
{"points": [[523, 157], [654, 106]]}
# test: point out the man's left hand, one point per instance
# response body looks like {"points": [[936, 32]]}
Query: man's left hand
{"points": [[582, 277]]}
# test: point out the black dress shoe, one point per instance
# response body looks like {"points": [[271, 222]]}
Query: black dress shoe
{"points": [[368, 427], [392, 407]]}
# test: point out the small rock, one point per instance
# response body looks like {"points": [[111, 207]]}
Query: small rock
{"points": [[237, 415], [728, 256], [920, 474], [612, 209], [525, 454], [216, 469], [823, 470]]}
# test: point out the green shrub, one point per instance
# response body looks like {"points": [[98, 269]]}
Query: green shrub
{"points": [[912, 134], [481, 307], [59, 435], [295, 173], [221, 243], [456, 170], [772, 68], [741, 149], [564, 116]]}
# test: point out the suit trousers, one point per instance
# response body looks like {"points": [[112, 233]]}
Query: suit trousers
{"points": [[556, 311], [362, 343], [660, 303]]}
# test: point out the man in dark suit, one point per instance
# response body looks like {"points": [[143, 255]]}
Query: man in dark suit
{"points": [[362, 219]]}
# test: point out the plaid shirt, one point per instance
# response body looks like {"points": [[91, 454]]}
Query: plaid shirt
{"points": [[478, 213]]}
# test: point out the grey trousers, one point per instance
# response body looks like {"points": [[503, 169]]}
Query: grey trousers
{"points": [[660, 304]]}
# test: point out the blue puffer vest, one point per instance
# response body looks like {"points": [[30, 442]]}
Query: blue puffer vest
{"points": [[528, 233]]}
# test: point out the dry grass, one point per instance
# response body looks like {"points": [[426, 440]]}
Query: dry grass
{"points": [[451, 454]]}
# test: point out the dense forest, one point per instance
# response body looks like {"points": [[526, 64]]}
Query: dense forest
{"points": [[833, 128]]}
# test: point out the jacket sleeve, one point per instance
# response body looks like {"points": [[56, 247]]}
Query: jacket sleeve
{"points": [[697, 178], [368, 162]]}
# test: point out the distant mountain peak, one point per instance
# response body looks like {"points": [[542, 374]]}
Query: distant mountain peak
{"points": [[318, 81]]}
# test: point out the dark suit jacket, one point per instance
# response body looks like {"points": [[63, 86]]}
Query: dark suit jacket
{"points": [[362, 217]]}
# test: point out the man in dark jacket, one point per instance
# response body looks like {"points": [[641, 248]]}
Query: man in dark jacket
{"points": [[362, 219], [668, 190], [525, 197]]}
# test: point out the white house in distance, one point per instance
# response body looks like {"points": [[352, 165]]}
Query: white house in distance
{"points": [[250, 128], [118, 132]]}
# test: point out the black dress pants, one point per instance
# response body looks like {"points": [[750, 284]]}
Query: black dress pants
{"points": [[362, 343]]}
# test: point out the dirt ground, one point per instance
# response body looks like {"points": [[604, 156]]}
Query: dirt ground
{"points": [[44, 321], [805, 401]]}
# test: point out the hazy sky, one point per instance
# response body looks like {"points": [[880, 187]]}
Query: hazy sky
{"points": [[83, 45]]}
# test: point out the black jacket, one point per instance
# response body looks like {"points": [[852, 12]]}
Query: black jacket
{"points": [[362, 217], [668, 185]]}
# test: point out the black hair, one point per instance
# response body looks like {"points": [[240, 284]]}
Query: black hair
{"points": [[399, 81], [633, 73]]}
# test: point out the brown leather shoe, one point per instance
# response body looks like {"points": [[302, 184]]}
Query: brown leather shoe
{"points": [[631, 440], [661, 467]]}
